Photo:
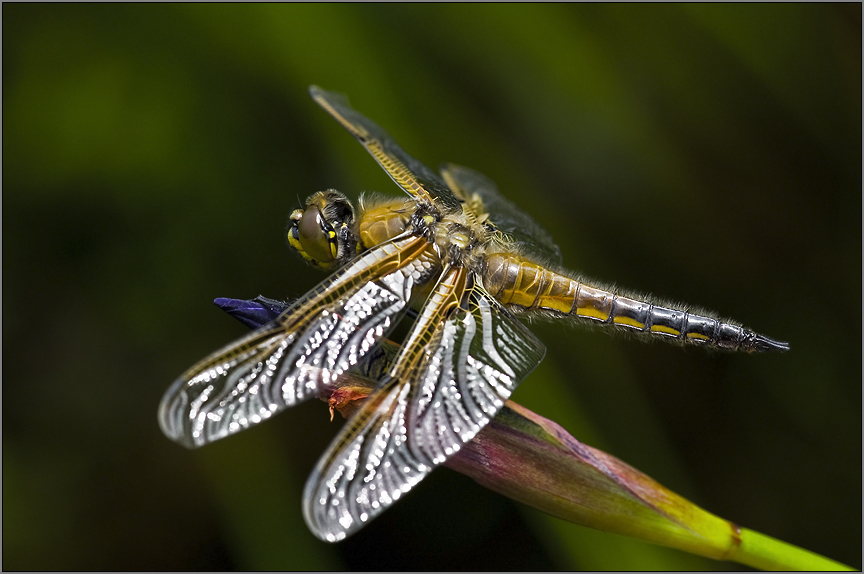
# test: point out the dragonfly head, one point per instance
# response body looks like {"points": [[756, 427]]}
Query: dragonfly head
{"points": [[322, 232]]}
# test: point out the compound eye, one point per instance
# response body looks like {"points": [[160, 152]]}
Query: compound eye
{"points": [[316, 237]]}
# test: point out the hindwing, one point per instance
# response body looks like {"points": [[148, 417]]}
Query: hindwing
{"points": [[472, 362]]}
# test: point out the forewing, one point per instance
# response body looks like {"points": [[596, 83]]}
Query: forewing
{"points": [[292, 358], [530, 237], [411, 175], [473, 362]]}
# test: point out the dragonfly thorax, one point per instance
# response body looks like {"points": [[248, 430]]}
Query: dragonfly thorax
{"points": [[459, 243], [382, 218]]}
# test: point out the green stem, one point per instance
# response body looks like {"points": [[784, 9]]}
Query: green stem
{"points": [[766, 553]]}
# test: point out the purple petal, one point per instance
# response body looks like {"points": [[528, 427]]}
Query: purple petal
{"points": [[252, 312]]}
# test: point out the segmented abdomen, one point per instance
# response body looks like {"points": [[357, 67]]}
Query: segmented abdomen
{"points": [[516, 282]]}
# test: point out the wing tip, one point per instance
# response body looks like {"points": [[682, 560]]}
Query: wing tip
{"points": [[171, 414], [317, 523]]}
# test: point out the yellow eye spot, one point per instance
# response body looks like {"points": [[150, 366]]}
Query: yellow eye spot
{"points": [[334, 246]]}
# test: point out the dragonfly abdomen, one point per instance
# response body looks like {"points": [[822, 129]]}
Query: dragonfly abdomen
{"points": [[527, 286]]}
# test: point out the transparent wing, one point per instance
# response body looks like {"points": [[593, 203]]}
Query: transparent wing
{"points": [[411, 175], [531, 238], [291, 359], [482, 354], [472, 362]]}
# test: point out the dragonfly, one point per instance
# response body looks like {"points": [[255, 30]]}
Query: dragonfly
{"points": [[460, 261]]}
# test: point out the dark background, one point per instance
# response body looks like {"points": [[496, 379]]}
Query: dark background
{"points": [[152, 153]]}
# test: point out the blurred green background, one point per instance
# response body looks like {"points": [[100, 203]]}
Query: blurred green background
{"points": [[152, 153]]}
